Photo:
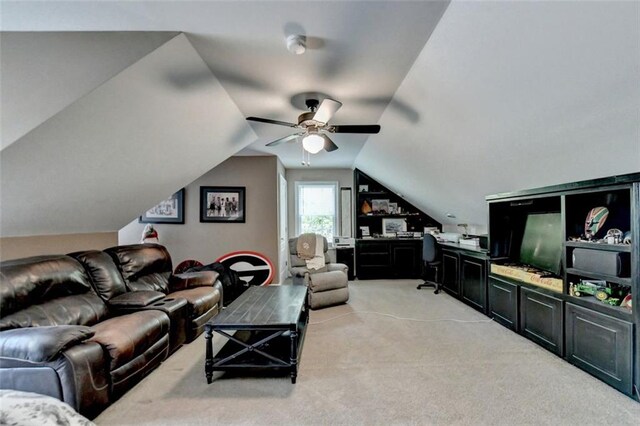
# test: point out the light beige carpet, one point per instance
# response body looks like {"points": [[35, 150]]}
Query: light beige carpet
{"points": [[393, 355]]}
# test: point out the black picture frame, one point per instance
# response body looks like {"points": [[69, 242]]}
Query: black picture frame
{"points": [[214, 207], [170, 211]]}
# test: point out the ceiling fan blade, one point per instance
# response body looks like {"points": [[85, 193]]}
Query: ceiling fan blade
{"points": [[328, 143], [284, 139], [269, 121], [325, 111], [363, 128]]}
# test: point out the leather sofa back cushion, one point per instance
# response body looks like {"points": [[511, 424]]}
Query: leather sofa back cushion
{"points": [[143, 266], [103, 272], [83, 309], [35, 280]]}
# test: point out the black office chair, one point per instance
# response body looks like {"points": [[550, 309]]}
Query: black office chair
{"points": [[430, 261]]}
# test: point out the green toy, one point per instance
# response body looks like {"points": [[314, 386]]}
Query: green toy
{"points": [[609, 293]]}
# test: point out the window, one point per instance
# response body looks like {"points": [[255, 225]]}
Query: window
{"points": [[316, 207]]}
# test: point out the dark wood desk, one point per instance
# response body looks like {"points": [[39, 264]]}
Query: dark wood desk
{"points": [[270, 324]]}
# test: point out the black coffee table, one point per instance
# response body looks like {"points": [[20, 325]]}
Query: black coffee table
{"points": [[270, 324]]}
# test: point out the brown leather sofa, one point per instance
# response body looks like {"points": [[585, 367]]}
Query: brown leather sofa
{"points": [[86, 327], [58, 338], [147, 267]]}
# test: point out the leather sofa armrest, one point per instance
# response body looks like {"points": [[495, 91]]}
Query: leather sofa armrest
{"points": [[192, 280], [41, 344], [135, 299]]}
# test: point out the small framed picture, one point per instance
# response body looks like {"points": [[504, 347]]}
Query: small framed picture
{"points": [[363, 188], [380, 206], [222, 204], [393, 208], [391, 226], [364, 230], [170, 210]]}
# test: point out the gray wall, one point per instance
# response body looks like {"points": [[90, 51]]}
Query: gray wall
{"points": [[343, 176], [208, 241]]}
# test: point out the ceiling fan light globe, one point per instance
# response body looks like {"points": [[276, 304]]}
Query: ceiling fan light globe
{"points": [[313, 143], [296, 44]]}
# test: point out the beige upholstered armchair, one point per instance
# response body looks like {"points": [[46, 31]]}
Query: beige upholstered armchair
{"points": [[327, 286]]}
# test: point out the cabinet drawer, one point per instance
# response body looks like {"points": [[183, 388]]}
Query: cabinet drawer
{"points": [[503, 302], [541, 319], [600, 345]]}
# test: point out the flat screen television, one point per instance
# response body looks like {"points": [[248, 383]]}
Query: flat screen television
{"points": [[542, 242]]}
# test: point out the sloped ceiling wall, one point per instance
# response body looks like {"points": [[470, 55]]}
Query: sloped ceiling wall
{"points": [[513, 95], [44, 72], [115, 152]]}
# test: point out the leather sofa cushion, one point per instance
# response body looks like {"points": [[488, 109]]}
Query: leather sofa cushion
{"points": [[136, 299], [41, 344], [103, 273], [143, 266], [82, 309], [192, 280], [200, 299], [34, 280], [128, 336]]}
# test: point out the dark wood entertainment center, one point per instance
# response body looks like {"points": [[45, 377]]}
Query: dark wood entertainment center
{"points": [[599, 338]]}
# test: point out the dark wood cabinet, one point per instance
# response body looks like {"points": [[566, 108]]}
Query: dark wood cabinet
{"points": [[473, 281], [541, 319], [406, 258], [503, 302], [578, 309], [346, 256], [601, 345], [450, 272], [388, 258]]}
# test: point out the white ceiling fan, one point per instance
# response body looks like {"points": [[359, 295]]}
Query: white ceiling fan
{"points": [[315, 126]]}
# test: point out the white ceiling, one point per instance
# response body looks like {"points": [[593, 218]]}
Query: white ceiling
{"points": [[500, 96], [359, 53], [512, 96]]}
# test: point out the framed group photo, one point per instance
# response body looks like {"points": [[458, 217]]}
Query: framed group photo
{"points": [[224, 204], [170, 210]]}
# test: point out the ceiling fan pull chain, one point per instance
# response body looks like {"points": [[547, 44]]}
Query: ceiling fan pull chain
{"points": [[303, 162]]}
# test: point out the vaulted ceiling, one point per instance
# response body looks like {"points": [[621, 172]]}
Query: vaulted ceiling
{"points": [[108, 107]]}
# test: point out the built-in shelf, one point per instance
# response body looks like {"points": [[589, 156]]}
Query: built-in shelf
{"points": [[593, 303], [369, 193], [623, 248], [598, 276]]}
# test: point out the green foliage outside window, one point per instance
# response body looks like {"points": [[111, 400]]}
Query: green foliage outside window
{"points": [[322, 225]]}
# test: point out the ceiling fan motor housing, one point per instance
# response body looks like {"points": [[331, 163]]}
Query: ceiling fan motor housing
{"points": [[306, 120]]}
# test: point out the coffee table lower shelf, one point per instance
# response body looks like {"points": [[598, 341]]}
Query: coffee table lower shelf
{"points": [[259, 349]]}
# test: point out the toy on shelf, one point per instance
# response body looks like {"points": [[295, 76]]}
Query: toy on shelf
{"points": [[609, 293], [595, 221]]}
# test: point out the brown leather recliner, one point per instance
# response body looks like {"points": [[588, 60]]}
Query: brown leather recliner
{"points": [[148, 267], [59, 338], [110, 286]]}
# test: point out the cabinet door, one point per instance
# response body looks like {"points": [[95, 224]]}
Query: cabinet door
{"points": [[450, 264], [541, 319], [373, 260], [473, 282], [405, 258], [601, 345], [503, 302]]}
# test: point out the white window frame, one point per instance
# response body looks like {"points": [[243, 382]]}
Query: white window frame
{"points": [[336, 187]]}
